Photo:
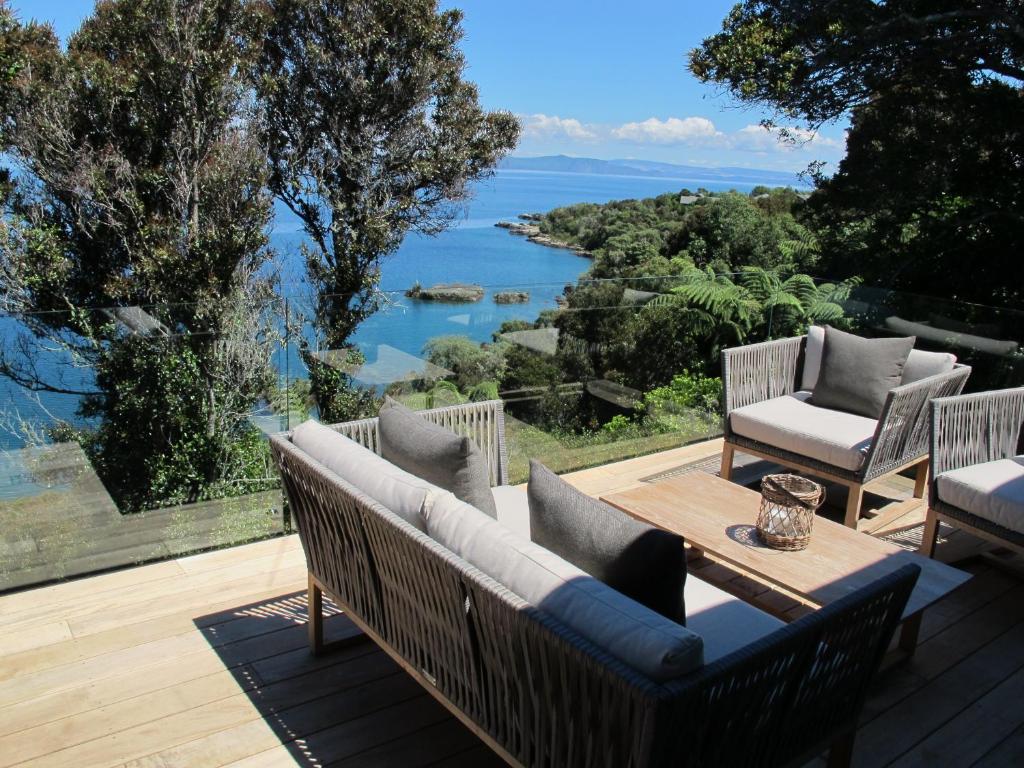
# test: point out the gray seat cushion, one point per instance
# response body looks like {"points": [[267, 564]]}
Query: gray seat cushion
{"points": [[857, 373], [513, 507], [436, 454], [634, 558], [993, 491], [402, 493], [725, 622], [922, 364], [794, 424], [634, 634]]}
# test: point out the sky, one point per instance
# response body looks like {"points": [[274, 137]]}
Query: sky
{"points": [[596, 78]]}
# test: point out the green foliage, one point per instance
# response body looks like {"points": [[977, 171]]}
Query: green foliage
{"points": [[193, 451], [443, 393], [485, 390], [933, 176], [338, 398], [412, 139], [471, 363], [642, 238], [686, 391], [141, 189]]}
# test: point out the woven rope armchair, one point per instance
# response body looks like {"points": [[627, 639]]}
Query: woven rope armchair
{"points": [[538, 693], [966, 431], [759, 372]]}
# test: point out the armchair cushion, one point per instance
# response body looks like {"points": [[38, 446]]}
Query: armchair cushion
{"points": [[993, 491], [436, 454], [513, 508], [922, 364], [793, 423], [857, 373], [635, 558]]}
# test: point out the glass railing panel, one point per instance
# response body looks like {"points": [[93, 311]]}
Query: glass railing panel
{"points": [[145, 440], [152, 442], [585, 373]]}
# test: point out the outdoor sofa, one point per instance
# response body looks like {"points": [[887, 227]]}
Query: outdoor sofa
{"points": [[977, 467], [744, 689], [768, 399]]}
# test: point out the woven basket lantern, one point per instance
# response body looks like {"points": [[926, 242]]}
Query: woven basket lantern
{"points": [[788, 504]]}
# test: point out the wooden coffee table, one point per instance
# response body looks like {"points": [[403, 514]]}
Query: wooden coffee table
{"points": [[717, 517]]}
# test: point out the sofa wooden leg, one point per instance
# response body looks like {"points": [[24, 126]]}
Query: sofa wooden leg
{"points": [[853, 502], [315, 621], [726, 470], [841, 753], [930, 535], [921, 480]]}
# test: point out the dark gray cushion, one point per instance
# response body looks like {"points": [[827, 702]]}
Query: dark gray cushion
{"points": [[857, 373], [642, 562], [436, 454]]}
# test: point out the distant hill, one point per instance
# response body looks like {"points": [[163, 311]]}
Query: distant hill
{"points": [[566, 164]]}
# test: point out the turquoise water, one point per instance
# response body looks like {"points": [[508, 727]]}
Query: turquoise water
{"points": [[473, 251]]}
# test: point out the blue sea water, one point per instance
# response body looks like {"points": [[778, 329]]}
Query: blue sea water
{"points": [[472, 251]]}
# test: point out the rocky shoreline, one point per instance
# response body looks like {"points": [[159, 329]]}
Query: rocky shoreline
{"points": [[528, 227]]}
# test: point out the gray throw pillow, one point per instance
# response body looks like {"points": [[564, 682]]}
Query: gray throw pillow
{"points": [[642, 562], [857, 373], [436, 454]]}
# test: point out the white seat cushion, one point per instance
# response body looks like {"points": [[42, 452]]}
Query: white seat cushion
{"points": [[993, 491], [513, 508], [402, 493], [725, 622], [633, 633], [921, 365], [791, 423]]}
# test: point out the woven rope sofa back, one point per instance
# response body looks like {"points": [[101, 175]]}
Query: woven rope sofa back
{"points": [[546, 695]]}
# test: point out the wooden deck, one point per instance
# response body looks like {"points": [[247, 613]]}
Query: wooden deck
{"points": [[202, 661]]}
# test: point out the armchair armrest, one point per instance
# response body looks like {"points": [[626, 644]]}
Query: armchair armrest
{"points": [[484, 422], [902, 432], [974, 429], [758, 372]]}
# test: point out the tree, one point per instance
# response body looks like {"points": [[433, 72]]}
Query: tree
{"points": [[471, 363], [135, 241], [818, 61], [371, 132], [934, 175]]}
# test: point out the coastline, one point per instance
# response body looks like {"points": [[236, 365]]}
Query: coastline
{"points": [[531, 231]]}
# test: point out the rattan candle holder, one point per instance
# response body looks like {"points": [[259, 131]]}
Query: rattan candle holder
{"points": [[788, 504]]}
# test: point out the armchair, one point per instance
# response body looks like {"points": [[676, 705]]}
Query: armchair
{"points": [[768, 414], [977, 470]]}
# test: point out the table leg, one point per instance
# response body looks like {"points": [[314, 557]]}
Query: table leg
{"points": [[909, 634]]}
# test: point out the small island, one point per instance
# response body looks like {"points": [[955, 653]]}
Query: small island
{"points": [[449, 293], [511, 297]]}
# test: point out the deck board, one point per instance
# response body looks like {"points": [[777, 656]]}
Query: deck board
{"points": [[202, 661]]}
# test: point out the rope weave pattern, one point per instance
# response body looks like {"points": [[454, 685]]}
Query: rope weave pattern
{"points": [[974, 429], [550, 697], [759, 372]]}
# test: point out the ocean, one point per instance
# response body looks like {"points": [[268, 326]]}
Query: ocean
{"points": [[472, 251]]}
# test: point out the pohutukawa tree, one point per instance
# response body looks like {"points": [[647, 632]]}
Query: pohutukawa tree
{"points": [[934, 176], [139, 185], [372, 132]]}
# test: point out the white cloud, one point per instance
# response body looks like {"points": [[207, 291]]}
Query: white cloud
{"points": [[757, 138], [547, 126], [674, 130]]}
